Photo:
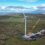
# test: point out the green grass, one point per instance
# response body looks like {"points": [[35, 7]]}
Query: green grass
{"points": [[14, 23]]}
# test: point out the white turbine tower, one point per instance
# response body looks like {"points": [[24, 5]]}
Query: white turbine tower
{"points": [[25, 20]]}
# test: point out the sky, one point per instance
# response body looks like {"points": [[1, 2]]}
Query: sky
{"points": [[25, 3]]}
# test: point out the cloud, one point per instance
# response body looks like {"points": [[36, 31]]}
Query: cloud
{"points": [[39, 9], [3, 7], [34, 7], [28, 0], [43, 5]]}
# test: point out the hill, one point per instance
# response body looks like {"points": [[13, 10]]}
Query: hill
{"points": [[12, 28]]}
